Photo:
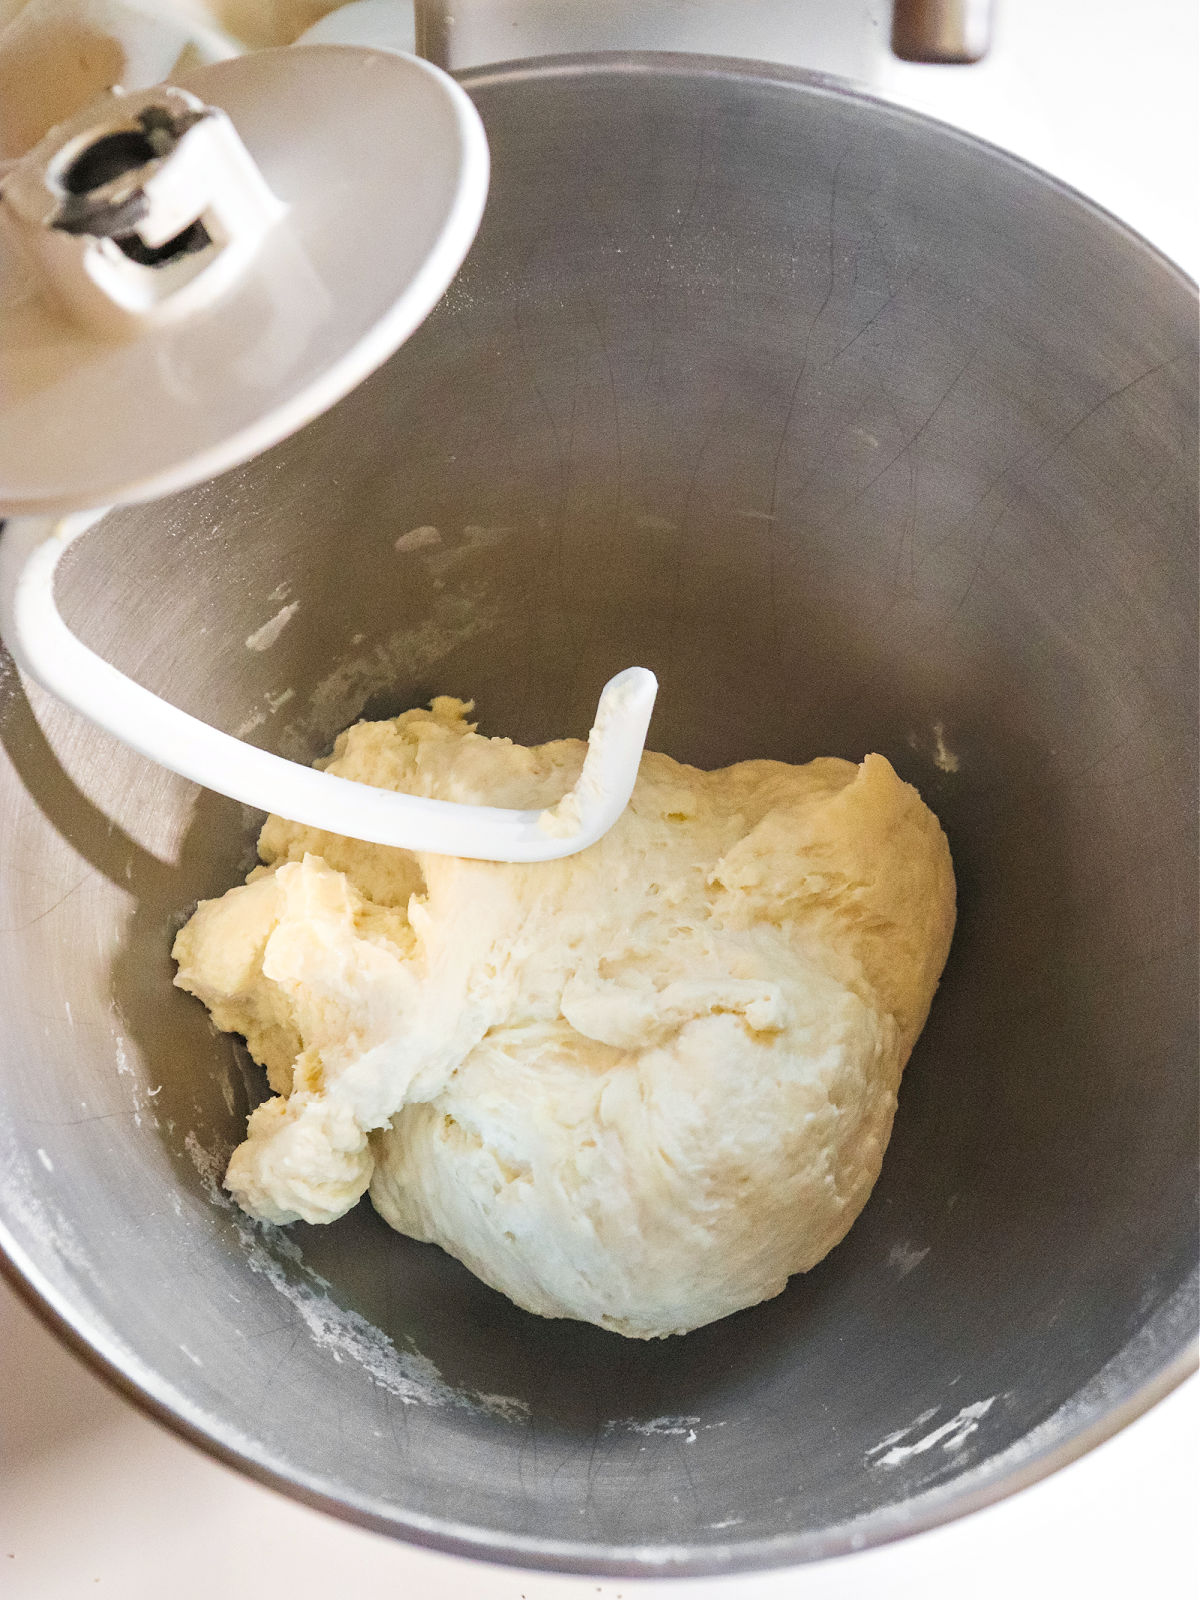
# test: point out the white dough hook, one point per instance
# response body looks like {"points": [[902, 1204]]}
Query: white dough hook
{"points": [[45, 648], [213, 295]]}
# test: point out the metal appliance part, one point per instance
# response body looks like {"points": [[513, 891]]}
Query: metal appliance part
{"points": [[864, 436]]}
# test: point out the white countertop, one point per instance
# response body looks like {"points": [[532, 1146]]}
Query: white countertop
{"points": [[95, 1499]]}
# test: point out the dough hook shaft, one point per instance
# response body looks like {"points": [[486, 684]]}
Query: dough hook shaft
{"points": [[45, 648]]}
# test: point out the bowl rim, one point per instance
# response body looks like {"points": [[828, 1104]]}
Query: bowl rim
{"points": [[1132, 1382], [1110, 1402]]}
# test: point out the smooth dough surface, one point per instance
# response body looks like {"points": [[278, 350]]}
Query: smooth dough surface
{"points": [[641, 1086]]}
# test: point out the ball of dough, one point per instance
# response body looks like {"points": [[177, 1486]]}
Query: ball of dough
{"points": [[641, 1086]]}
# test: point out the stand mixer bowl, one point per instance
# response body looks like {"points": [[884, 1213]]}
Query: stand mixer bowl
{"points": [[863, 436]]}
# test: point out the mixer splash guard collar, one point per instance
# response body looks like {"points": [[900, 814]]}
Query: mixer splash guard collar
{"points": [[188, 275]]}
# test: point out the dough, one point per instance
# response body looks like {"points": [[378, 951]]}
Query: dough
{"points": [[641, 1086]]}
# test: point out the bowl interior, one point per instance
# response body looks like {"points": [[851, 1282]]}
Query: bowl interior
{"points": [[863, 437]]}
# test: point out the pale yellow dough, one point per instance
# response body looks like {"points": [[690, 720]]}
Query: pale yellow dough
{"points": [[641, 1086]]}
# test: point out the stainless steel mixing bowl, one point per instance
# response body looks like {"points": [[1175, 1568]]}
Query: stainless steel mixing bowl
{"points": [[865, 437]]}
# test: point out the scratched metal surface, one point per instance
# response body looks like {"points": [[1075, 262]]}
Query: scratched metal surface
{"points": [[863, 437]]}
